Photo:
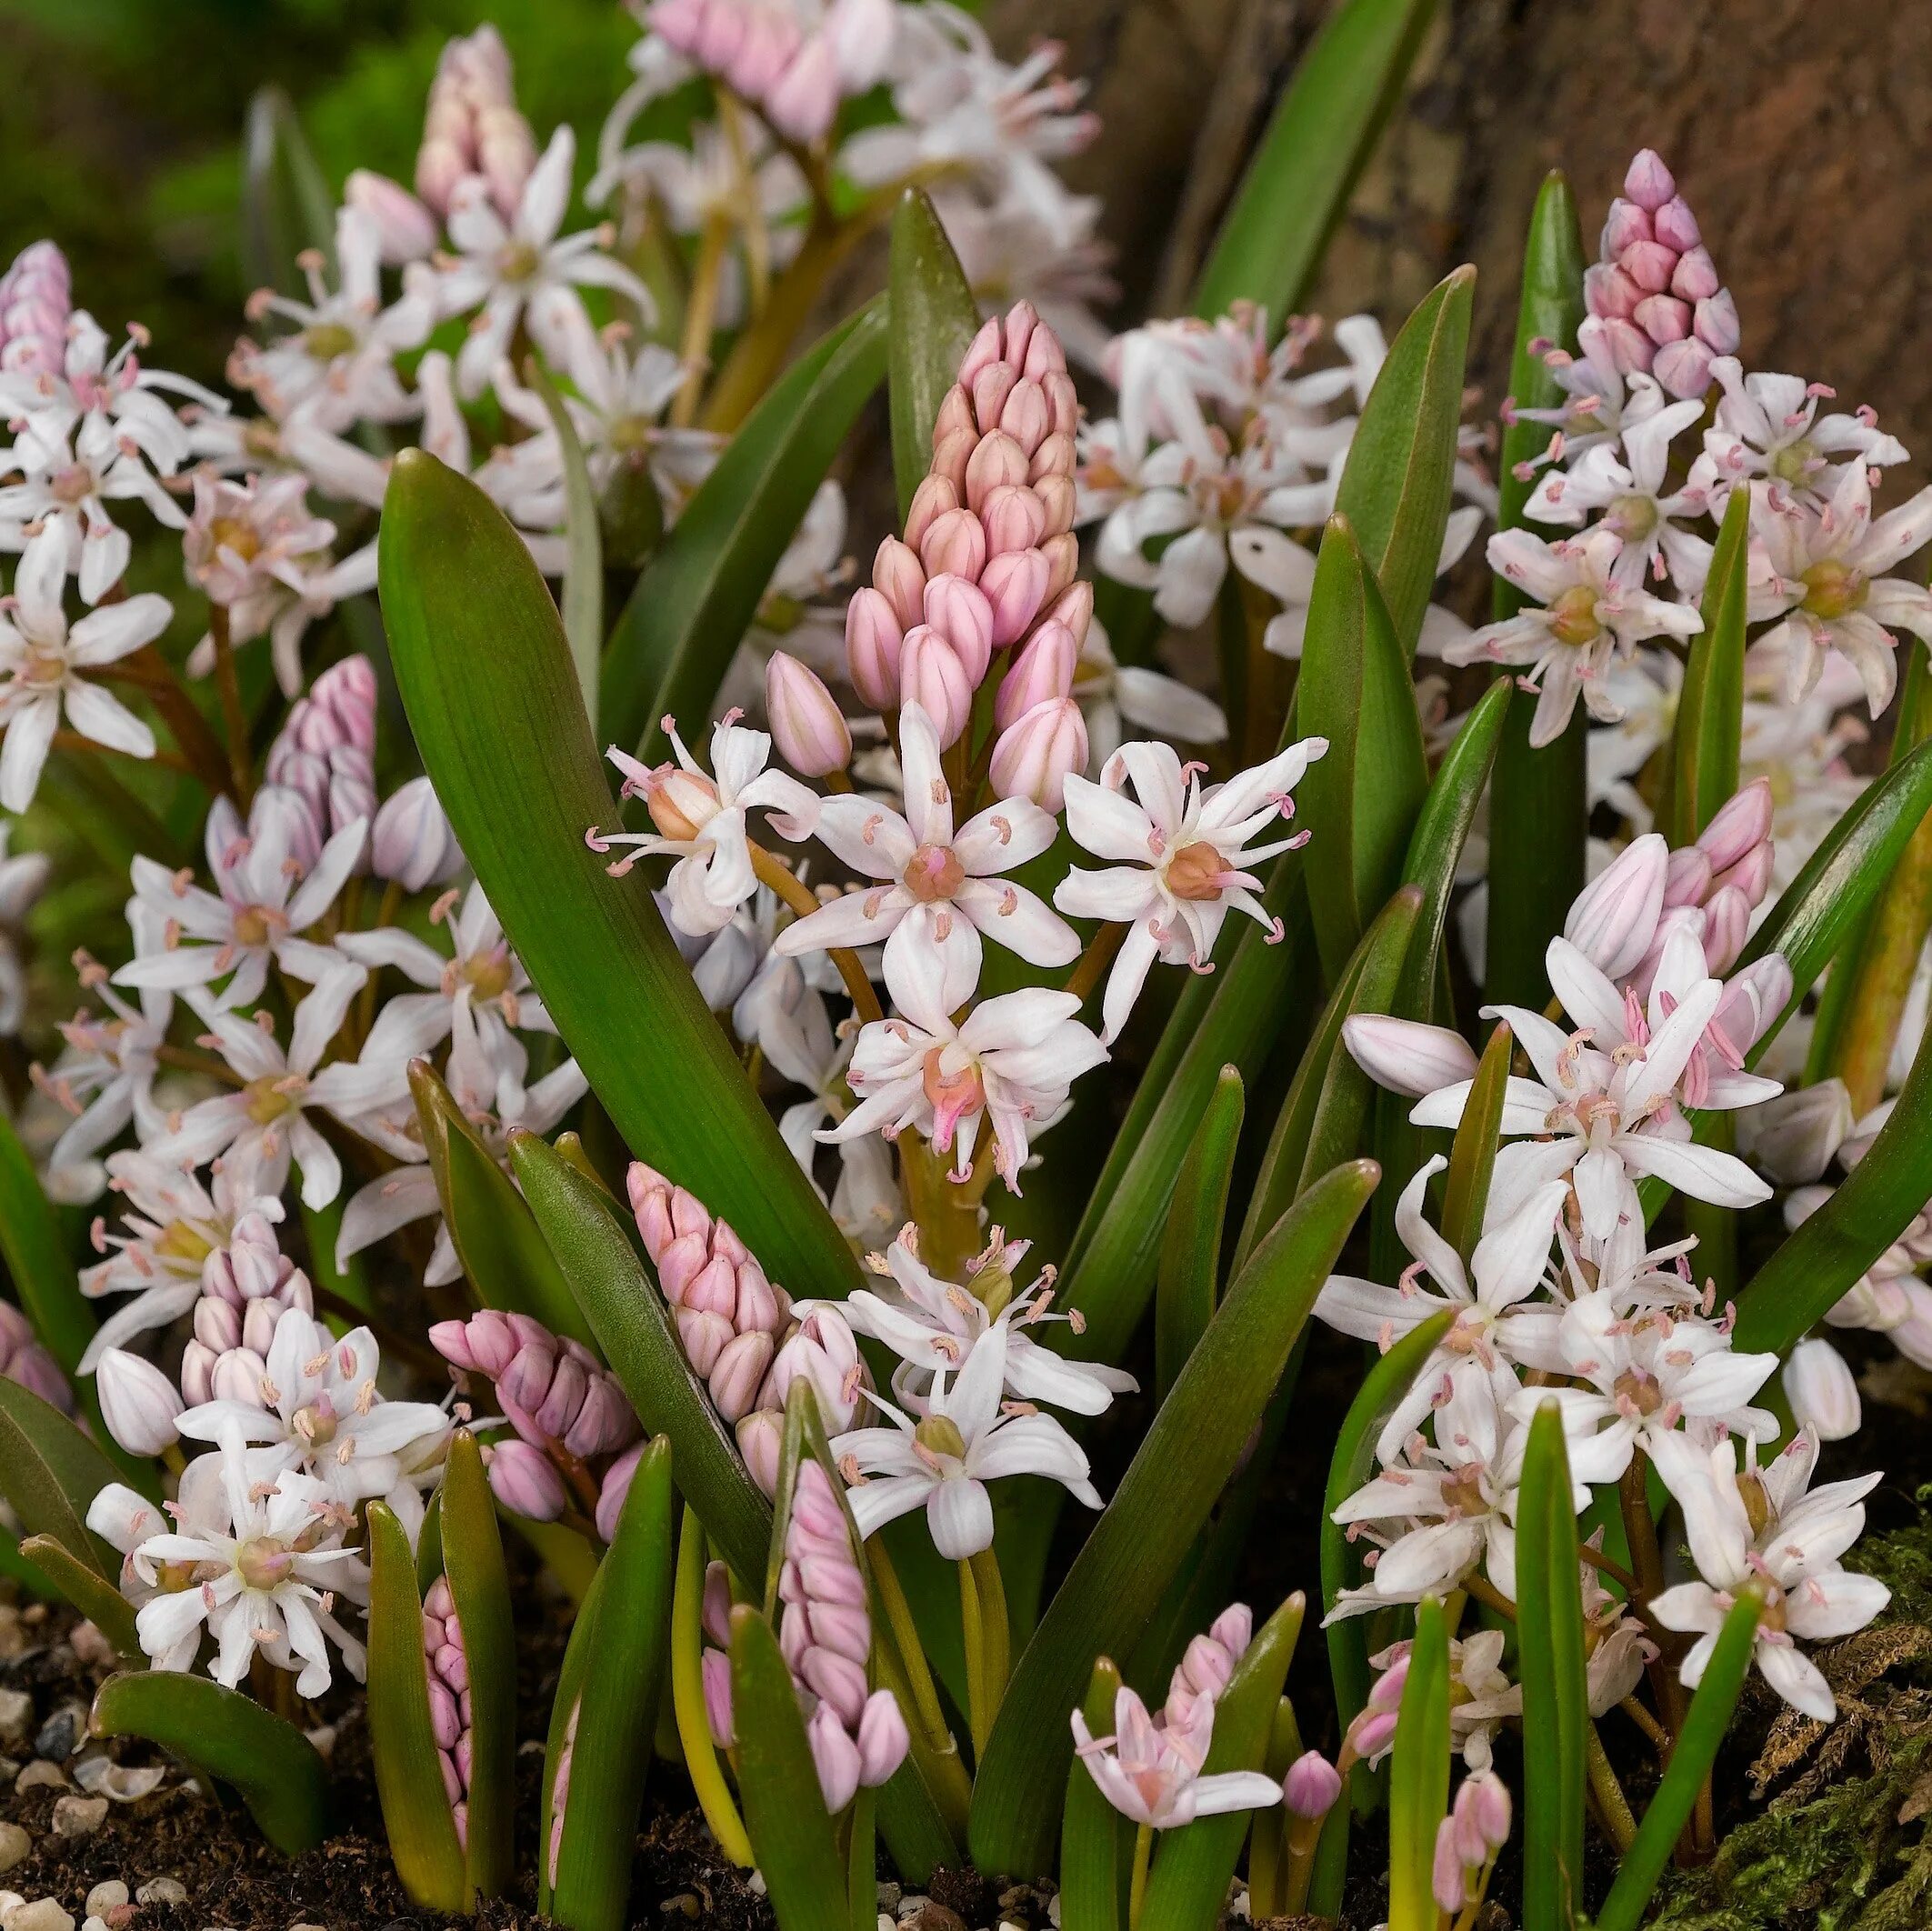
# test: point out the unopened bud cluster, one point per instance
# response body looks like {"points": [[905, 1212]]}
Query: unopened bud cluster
{"points": [[326, 752], [473, 125], [37, 297], [25, 1361], [447, 1665]]}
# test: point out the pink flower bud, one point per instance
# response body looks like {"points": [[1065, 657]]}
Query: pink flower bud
{"points": [[837, 1679], [715, 1611], [1018, 331], [1650, 265], [650, 1197], [991, 387], [1075, 608], [616, 1489], [951, 455], [959, 612], [1822, 1391], [1311, 1787], [1696, 278], [238, 1377], [715, 1665], [1041, 673], [1481, 1815], [526, 1481], [1615, 917], [1663, 318], [1035, 755], [1063, 565], [1407, 1056], [406, 230], [1016, 584], [1027, 415], [824, 1353], [198, 1361], [1624, 223], [1676, 227], [1686, 878], [1057, 456], [954, 545], [836, 1756], [873, 642], [997, 459], [446, 1722], [883, 1740], [739, 1373], [1648, 182], [1014, 518], [807, 726], [1716, 324], [804, 103], [932, 676], [258, 1325], [1751, 876], [440, 165], [843, 1628], [761, 1443], [986, 347], [759, 1306], [1447, 1879], [1630, 350], [956, 413], [703, 1336], [1609, 293], [531, 1375], [1683, 369], [411, 843], [1742, 822], [139, 1401], [932, 498], [218, 1324], [1058, 499]]}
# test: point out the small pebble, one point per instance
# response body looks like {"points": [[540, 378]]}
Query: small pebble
{"points": [[61, 1733], [14, 1844], [44, 1914], [17, 1716], [106, 1897], [79, 1817], [162, 1891], [93, 1923], [42, 1775], [91, 1646]]}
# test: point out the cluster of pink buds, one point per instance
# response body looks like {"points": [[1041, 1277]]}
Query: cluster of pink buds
{"points": [[985, 577], [1467, 1840], [24, 1360], [245, 1287], [37, 297], [473, 125], [575, 1431], [858, 1734], [326, 750], [715, 1664], [794, 75], [449, 1707], [1655, 290], [1204, 1672]]}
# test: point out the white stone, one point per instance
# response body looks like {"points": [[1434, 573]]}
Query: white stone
{"points": [[162, 1891], [79, 1817], [44, 1914], [14, 1844], [105, 1896], [17, 1716]]}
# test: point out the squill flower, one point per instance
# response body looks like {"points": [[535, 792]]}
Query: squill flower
{"points": [[554, 1391], [1768, 427], [1150, 1768]]}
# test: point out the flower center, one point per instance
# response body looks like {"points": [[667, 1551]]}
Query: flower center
{"points": [[317, 1422], [266, 1100], [1195, 872], [632, 434], [74, 484], [518, 262], [1572, 616], [1832, 589], [237, 534], [180, 1241], [939, 1435], [682, 803], [45, 664], [1796, 461], [326, 340], [1639, 1391], [488, 973], [933, 873], [255, 925], [263, 1564], [1756, 1503], [955, 1092], [1632, 518], [1463, 1492]]}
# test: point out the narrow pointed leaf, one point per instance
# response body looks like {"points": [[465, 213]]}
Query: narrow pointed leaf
{"points": [[1710, 711], [1190, 1257], [1472, 1156], [231, 1737], [584, 564], [1162, 1500], [934, 321], [1419, 1779], [286, 203], [37, 1258], [460, 591], [417, 1816], [91, 1593], [1321, 135], [1096, 1840], [673, 639], [50, 1474], [1395, 485], [572, 1676], [617, 1708]]}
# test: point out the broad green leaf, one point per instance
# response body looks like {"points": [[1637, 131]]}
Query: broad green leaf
{"points": [[1191, 1873], [1354, 1461], [784, 1808], [675, 638], [479, 1585], [417, 1816], [1823, 1257], [1536, 870], [934, 321], [19, 1568], [91, 1593], [1162, 1500], [617, 1708], [1418, 1778], [485, 678], [231, 1737], [508, 1263], [1710, 710], [50, 1474], [1190, 1256], [584, 562], [1320, 1121], [625, 1309], [1472, 1155], [1096, 1840], [1359, 801], [287, 205], [1396, 485], [1556, 1700], [1690, 1764], [37, 1258], [1320, 139]]}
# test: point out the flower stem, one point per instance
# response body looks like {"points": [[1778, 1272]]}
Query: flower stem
{"points": [[774, 872], [234, 718], [1608, 1792], [700, 316], [1096, 959], [687, 1696], [995, 1629], [1137, 1885], [973, 1625]]}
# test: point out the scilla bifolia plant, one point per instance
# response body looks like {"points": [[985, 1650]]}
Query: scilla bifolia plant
{"points": [[674, 1153]]}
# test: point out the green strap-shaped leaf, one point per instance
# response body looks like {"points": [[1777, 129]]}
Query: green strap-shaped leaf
{"points": [[1536, 871], [1418, 1778], [91, 1593], [508, 1263], [675, 638], [1472, 1156], [1096, 1840], [38, 1259], [50, 1473], [487, 679], [1188, 1884], [1556, 1699], [1690, 1763], [584, 537], [1381, 1390], [571, 1678], [1360, 800], [287, 205], [1710, 710], [625, 1309], [1397, 482], [934, 321], [1190, 1256], [784, 1809], [616, 1708], [1321, 135], [1320, 1121], [229, 1736], [416, 1817], [1181, 1467], [479, 1585]]}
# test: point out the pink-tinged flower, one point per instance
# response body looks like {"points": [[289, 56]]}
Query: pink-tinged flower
{"points": [[1601, 400], [1011, 1062], [43, 662], [1823, 1392], [25, 1361], [1407, 1055], [1823, 581], [1467, 1840], [139, 1404], [807, 726], [938, 889], [1615, 917], [942, 1460], [1588, 620], [1760, 1531], [1181, 855], [412, 842], [1311, 1787], [1150, 1768], [821, 1351], [703, 819], [37, 297], [1769, 428]]}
